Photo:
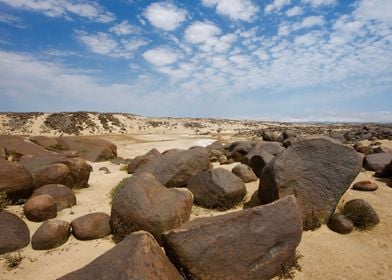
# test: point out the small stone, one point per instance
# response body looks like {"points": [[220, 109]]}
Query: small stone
{"points": [[365, 186], [340, 224]]}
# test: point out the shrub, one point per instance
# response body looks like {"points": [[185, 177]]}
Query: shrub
{"points": [[117, 188], [361, 213], [13, 260], [4, 201], [289, 268]]}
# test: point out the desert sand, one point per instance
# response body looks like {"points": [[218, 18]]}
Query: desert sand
{"points": [[326, 254]]}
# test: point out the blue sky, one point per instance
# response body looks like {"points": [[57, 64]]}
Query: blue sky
{"points": [[291, 60]]}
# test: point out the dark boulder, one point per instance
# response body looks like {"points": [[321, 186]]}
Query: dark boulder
{"points": [[174, 169], [14, 233], [257, 161], [17, 146], [377, 162], [317, 170], [340, 224], [91, 149], [365, 186], [56, 173], [91, 226], [15, 180], [248, 244], [48, 143], [40, 208], [145, 204], [244, 172], [217, 188], [137, 257], [51, 234], [62, 195], [141, 160]]}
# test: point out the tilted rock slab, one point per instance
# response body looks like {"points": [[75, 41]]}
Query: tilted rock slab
{"points": [[14, 233], [248, 244], [317, 171], [145, 204], [136, 257]]}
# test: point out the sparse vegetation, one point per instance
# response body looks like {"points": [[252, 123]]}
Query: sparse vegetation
{"points": [[117, 188], [361, 213], [13, 260], [312, 222], [290, 267], [124, 168], [194, 125], [4, 201]]}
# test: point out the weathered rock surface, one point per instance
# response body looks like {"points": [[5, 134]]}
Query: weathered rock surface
{"points": [[377, 162], [56, 173], [15, 180], [91, 226], [46, 142], [244, 172], [91, 149], [40, 208], [361, 213], [317, 170], [51, 234], [3, 153], [14, 233], [217, 188], [145, 204], [340, 224], [18, 146], [141, 160], [137, 257], [174, 169], [249, 244], [62, 195], [365, 186], [258, 161]]}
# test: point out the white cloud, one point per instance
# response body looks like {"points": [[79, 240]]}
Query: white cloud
{"points": [[65, 8], [309, 22], [244, 10], [201, 32], [277, 5], [124, 28], [104, 44], [294, 11], [165, 15], [374, 10], [318, 3], [11, 20], [160, 56]]}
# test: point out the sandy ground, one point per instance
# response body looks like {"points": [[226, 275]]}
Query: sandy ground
{"points": [[326, 255]]}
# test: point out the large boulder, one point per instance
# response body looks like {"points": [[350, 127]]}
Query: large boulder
{"points": [[174, 169], [317, 170], [40, 208], [3, 153], [45, 173], [46, 142], [250, 244], [14, 233], [377, 162], [18, 146], [136, 257], [141, 160], [145, 204], [51, 234], [217, 188], [62, 195], [239, 149], [244, 172], [91, 149], [15, 180], [91, 226]]}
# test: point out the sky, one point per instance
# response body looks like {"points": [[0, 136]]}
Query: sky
{"points": [[281, 60]]}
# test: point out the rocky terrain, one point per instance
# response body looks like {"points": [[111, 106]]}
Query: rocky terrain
{"points": [[98, 196]]}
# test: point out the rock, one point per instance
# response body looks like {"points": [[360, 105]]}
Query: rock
{"points": [[365, 186], [223, 159], [78, 175], [377, 162], [18, 146], [63, 196], [245, 173], [145, 204], [15, 187], [361, 213], [240, 149], [258, 161], [91, 226], [118, 161], [361, 148], [382, 149], [141, 160], [340, 224], [216, 146], [137, 257], [287, 142], [248, 244], [217, 188], [48, 143], [104, 169], [317, 170], [272, 148], [14, 233], [40, 208], [91, 149], [269, 135], [174, 169], [56, 173], [51, 234]]}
